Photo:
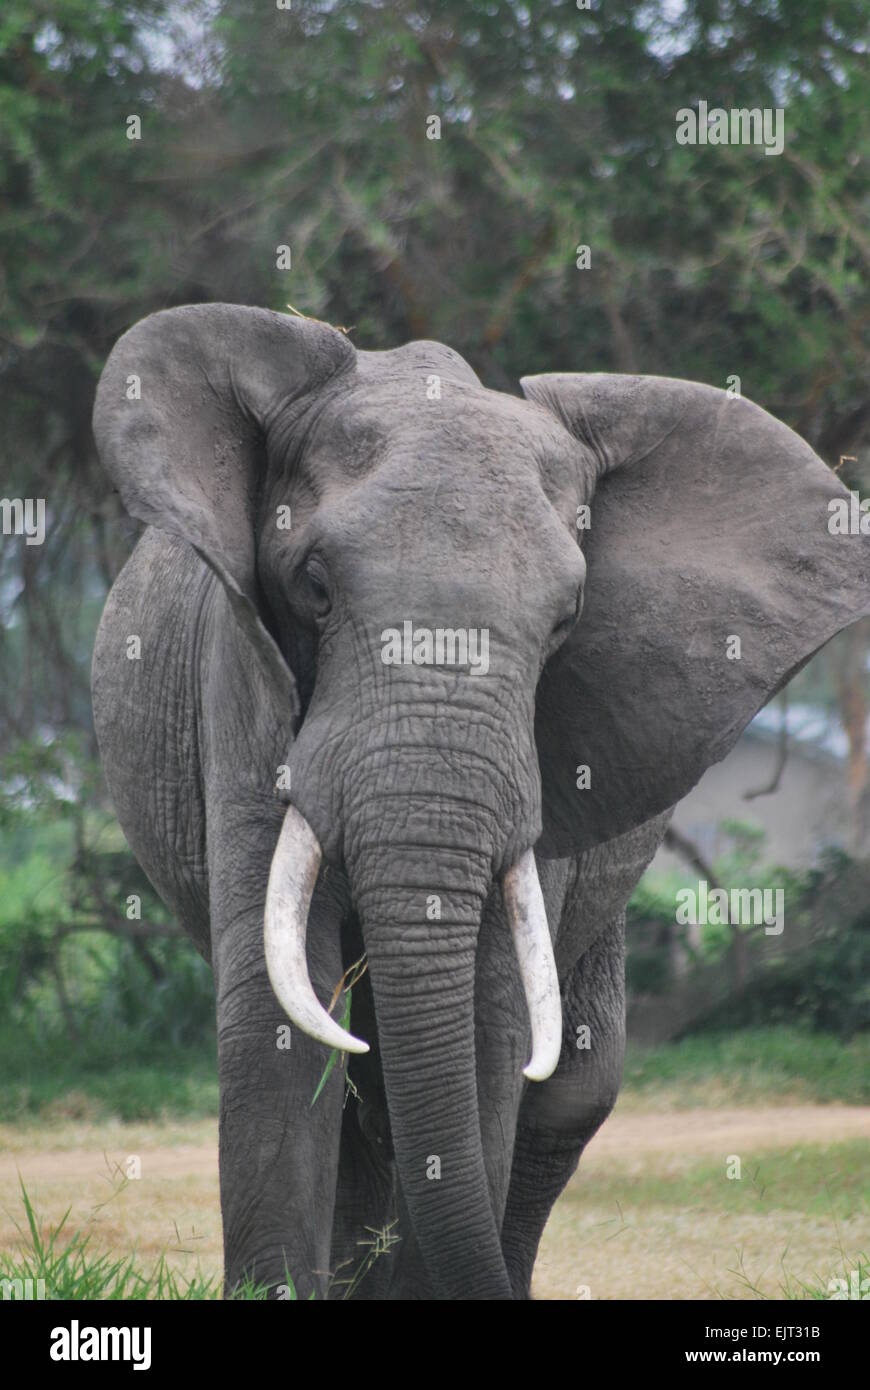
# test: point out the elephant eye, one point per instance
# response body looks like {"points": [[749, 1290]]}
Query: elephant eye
{"points": [[318, 593]]}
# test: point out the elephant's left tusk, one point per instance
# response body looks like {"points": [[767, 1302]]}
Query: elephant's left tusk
{"points": [[292, 877], [527, 915]]}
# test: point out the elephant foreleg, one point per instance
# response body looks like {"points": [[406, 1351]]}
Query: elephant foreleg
{"points": [[558, 1117], [278, 1151], [365, 1230]]}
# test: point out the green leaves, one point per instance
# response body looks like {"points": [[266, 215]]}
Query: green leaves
{"points": [[334, 1054], [351, 977]]}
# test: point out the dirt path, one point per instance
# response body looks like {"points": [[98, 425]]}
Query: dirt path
{"points": [[665, 1248], [708, 1132]]}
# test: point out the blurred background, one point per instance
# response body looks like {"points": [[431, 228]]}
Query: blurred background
{"points": [[263, 127]]}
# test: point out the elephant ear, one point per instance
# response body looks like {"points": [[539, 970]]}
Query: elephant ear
{"points": [[716, 568], [182, 411]]}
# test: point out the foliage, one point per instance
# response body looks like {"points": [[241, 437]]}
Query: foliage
{"points": [[131, 995], [349, 979], [749, 1066], [821, 975], [826, 986]]}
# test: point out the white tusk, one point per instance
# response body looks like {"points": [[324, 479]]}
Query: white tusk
{"points": [[292, 877], [527, 915]]}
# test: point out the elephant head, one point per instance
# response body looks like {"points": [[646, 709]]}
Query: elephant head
{"points": [[406, 553]]}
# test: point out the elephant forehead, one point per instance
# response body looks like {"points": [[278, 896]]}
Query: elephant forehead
{"points": [[462, 427], [438, 530]]}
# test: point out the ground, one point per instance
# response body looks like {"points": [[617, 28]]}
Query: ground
{"points": [[651, 1213]]}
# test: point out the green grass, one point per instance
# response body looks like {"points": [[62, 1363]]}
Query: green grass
{"points": [[752, 1066], [43, 1076], [853, 1273], [831, 1181], [115, 1075], [63, 1263]]}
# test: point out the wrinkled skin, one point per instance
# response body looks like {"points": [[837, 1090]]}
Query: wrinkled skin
{"points": [[261, 650]]}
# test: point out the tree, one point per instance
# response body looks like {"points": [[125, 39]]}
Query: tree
{"points": [[314, 128]]}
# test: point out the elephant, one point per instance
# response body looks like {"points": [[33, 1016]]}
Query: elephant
{"points": [[365, 726]]}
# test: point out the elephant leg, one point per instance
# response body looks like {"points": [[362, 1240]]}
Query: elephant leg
{"points": [[278, 1152], [559, 1116], [365, 1229], [365, 1225]]}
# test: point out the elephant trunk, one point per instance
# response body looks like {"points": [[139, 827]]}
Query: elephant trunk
{"points": [[420, 925]]}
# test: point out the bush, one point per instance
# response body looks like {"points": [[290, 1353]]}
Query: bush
{"points": [[90, 1009], [817, 973], [826, 985]]}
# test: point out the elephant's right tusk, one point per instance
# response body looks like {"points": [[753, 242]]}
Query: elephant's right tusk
{"points": [[292, 877], [527, 915]]}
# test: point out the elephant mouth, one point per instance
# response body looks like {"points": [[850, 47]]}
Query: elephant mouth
{"points": [[293, 875]]}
